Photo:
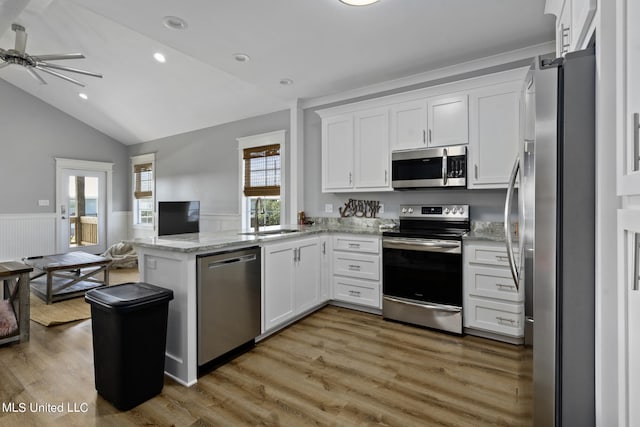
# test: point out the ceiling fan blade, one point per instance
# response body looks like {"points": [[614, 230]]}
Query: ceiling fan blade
{"points": [[21, 38], [36, 75], [58, 56], [70, 69], [62, 76]]}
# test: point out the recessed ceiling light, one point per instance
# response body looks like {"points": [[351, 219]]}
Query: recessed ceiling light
{"points": [[83, 96], [241, 57], [359, 2], [286, 82], [174, 22], [159, 57]]}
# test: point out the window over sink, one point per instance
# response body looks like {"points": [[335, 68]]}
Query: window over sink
{"points": [[143, 181], [261, 166]]}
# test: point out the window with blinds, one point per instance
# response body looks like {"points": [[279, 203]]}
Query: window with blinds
{"points": [[143, 176], [262, 171]]}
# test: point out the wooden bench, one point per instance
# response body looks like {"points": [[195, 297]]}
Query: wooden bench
{"points": [[15, 291], [69, 275]]}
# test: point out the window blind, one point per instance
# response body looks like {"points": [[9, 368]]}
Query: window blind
{"points": [[262, 171], [143, 175]]}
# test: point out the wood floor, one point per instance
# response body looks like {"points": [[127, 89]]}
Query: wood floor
{"points": [[336, 367]]}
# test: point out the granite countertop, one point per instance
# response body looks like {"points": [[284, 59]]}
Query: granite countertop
{"points": [[211, 241], [487, 231]]}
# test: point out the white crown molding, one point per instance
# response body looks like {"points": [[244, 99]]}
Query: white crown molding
{"points": [[462, 68]]}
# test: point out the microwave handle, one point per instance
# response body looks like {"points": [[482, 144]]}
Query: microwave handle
{"points": [[444, 166]]}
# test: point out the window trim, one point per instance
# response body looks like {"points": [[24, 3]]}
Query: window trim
{"points": [[149, 158], [269, 138]]}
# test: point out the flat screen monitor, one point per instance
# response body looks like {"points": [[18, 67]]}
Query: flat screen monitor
{"points": [[178, 218]]}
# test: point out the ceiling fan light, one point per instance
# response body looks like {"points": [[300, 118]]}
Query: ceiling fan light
{"points": [[241, 57], [159, 57], [359, 2]]}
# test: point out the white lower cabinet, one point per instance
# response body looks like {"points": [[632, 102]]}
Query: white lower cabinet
{"points": [[357, 270], [492, 306], [291, 279]]}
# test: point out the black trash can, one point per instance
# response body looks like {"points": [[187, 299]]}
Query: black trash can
{"points": [[129, 326]]}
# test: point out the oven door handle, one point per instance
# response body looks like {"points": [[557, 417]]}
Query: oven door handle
{"points": [[431, 305], [424, 246]]}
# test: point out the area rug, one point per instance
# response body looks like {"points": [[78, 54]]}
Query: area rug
{"points": [[74, 309]]}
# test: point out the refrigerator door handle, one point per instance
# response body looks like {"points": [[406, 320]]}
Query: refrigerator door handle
{"points": [[507, 223]]}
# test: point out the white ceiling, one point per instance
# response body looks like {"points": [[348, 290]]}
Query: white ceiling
{"points": [[325, 46]]}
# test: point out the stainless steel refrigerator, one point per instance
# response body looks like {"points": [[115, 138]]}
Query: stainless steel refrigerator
{"points": [[556, 216]]}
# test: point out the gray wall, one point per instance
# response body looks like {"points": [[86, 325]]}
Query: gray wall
{"points": [[203, 164], [32, 134]]}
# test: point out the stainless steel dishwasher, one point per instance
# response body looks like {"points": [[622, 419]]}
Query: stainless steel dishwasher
{"points": [[228, 301]]}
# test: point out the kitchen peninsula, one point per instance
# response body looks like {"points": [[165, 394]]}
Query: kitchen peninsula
{"points": [[170, 262]]}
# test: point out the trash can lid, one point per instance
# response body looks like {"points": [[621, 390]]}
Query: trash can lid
{"points": [[128, 295]]}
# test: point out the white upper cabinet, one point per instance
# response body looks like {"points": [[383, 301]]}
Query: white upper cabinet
{"points": [[573, 21], [337, 153], [447, 120], [372, 162], [409, 125], [494, 122], [629, 73], [356, 152]]}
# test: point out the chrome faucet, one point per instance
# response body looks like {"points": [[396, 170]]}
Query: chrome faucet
{"points": [[259, 209]]}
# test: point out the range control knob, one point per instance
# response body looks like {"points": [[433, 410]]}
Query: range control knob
{"points": [[404, 210], [446, 210], [460, 211], [410, 210]]}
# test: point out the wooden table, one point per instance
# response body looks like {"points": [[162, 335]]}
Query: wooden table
{"points": [[68, 275], [15, 288]]}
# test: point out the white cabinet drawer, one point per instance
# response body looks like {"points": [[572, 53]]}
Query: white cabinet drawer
{"points": [[493, 255], [492, 282], [356, 244], [363, 266], [356, 291], [502, 318]]}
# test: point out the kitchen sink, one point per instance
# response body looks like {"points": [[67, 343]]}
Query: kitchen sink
{"points": [[270, 232]]}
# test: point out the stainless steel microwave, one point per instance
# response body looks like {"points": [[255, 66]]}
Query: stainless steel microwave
{"points": [[429, 167]]}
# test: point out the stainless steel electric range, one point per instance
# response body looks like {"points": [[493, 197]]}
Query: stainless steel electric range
{"points": [[422, 266]]}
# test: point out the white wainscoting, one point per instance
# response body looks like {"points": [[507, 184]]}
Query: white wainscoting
{"points": [[24, 235]]}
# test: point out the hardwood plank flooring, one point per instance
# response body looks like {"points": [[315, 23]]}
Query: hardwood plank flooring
{"points": [[337, 367]]}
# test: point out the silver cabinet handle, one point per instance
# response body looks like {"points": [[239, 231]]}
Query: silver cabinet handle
{"points": [[386, 176], [444, 165], [354, 245], [424, 136], [324, 248], [354, 267], [636, 259], [507, 223], [502, 258], [636, 142], [354, 293], [350, 178], [504, 320], [429, 135], [502, 286], [476, 170]]}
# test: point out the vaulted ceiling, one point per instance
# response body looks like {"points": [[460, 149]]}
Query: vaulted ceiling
{"points": [[324, 46]]}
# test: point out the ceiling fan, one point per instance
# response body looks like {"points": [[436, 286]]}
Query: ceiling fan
{"points": [[19, 56]]}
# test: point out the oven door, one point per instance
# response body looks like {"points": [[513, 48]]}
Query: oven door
{"points": [[422, 282]]}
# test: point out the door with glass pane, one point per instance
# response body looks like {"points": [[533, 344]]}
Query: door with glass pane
{"points": [[82, 211]]}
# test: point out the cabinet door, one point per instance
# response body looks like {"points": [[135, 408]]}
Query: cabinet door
{"points": [[325, 268], [278, 284], [448, 120], [494, 121], [582, 12], [629, 319], [307, 286], [337, 153], [372, 151], [409, 125], [629, 152], [564, 33]]}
